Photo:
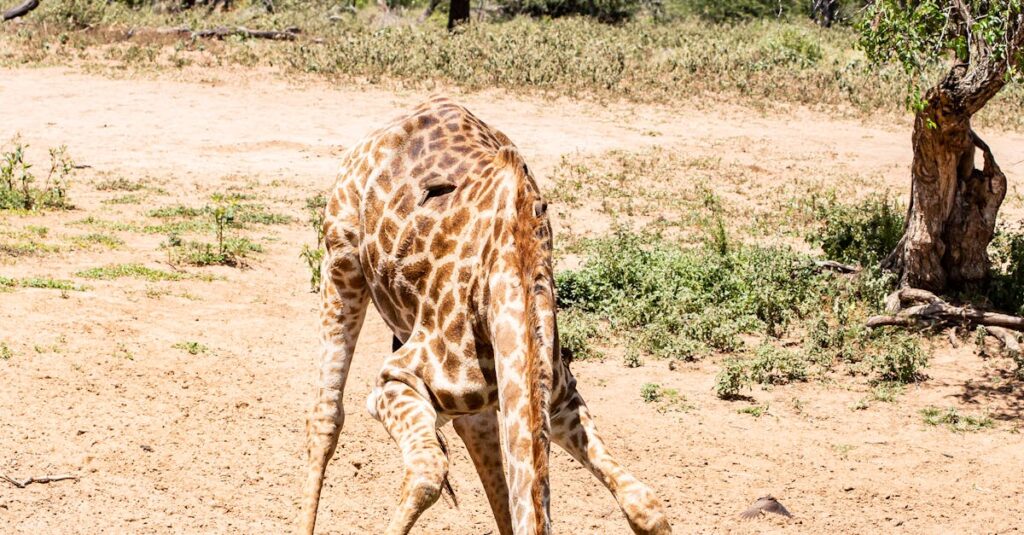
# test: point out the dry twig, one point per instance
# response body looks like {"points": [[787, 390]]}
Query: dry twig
{"points": [[42, 479]]}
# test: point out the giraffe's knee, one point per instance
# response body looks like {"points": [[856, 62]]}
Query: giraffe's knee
{"points": [[424, 492], [426, 477], [644, 512]]}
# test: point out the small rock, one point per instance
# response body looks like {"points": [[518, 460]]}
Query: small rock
{"points": [[147, 448]]}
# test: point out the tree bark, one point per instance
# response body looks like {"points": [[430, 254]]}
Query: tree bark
{"points": [[458, 13], [953, 206]]}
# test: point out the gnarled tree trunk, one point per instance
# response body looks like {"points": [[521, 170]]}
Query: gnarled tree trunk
{"points": [[953, 205]]}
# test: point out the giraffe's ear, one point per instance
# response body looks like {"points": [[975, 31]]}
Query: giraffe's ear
{"points": [[508, 156]]}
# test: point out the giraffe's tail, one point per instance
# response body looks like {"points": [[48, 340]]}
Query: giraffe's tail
{"points": [[525, 343], [446, 484]]}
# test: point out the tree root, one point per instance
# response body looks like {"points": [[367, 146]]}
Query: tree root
{"points": [[838, 267], [909, 307], [912, 306], [42, 479]]}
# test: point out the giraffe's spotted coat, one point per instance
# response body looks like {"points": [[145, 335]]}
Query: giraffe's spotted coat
{"points": [[438, 221]]}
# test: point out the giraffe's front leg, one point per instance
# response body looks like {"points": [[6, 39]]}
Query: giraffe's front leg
{"points": [[572, 428], [480, 434], [412, 422], [343, 302]]}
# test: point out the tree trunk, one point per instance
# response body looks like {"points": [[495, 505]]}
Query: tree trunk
{"points": [[458, 13], [953, 206]]}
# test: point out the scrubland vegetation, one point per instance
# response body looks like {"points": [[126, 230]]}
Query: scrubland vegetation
{"points": [[757, 53]]}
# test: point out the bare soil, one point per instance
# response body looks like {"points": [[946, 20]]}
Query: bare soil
{"points": [[164, 441]]}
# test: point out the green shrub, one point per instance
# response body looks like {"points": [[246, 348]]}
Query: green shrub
{"points": [[576, 330], [863, 233], [681, 302], [732, 378], [899, 359], [650, 393], [1007, 286], [18, 185], [632, 358], [314, 256], [775, 366]]}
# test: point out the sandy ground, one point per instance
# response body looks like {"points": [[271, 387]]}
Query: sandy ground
{"points": [[168, 442]]}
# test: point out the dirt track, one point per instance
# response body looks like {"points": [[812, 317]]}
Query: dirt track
{"points": [[168, 442]]}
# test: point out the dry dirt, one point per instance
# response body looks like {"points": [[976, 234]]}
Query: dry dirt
{"points": [[164, 441]]}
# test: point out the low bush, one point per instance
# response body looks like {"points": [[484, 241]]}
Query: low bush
{"points": [[19, 188], [898, 358], [862, 233], [1007, 286], [776, 366], [576, 330], [314, 255], [682, 302]]}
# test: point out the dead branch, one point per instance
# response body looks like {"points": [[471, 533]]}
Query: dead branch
{"points": [[953, 339], [21, 10], [1006, 337], [836, 266], [221, 32], [910, 306], [42, 479]]}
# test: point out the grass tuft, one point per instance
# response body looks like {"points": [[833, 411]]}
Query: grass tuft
{"points": [[136, 271], [952, 419], [192, 348]]}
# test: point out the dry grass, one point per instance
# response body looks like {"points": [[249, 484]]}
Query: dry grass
{"points": [[761, 63]]}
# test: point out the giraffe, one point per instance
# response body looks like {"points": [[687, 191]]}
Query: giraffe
{"points": [[437, 220]]}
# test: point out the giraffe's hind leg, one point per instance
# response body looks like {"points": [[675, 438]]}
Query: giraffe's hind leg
{"points": [[480, 434], [343, 303], [412, 422], [572, 428]]}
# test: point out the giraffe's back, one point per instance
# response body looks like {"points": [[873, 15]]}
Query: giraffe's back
{"points": [[428, 190]]}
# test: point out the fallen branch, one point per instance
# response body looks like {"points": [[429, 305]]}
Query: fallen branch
{"points": [[927, 308], [42, 479], [836, 266], [21, 10], [288, 34], [1007, 337]]}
